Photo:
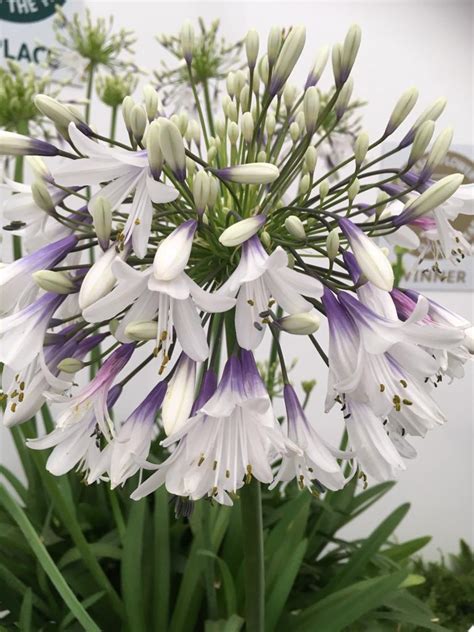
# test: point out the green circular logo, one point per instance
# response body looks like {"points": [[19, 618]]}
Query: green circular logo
{"points": [[27, 10]]}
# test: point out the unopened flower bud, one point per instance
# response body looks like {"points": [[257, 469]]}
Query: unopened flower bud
{"points": [[311, 109], [232, 112], [244, 98], [190, 166], [430, 199], [12, 144], [305, 184], [289, 55], [402, 109], [421, 141], [289, 95], [302, 324], [39, 168], [233, 133], [242, 230], [247, 126], [294, 131], [353, 190], [381, 203], [342, 101], [270, 124], [113, 326], [251, 47], [154, 153], [230, 84], [101, 211], [220, 127], [265, 239], [318, 67], [127, 106], [213, 190], [295, 227], [151, 101], [211, 154], [141, 330], [361, 146], [172, 147], [323, 190], [179, 397], [182, 122], [70, 365], [310, 159], [438, 151], [250, 173], [336, 59], [187, 41], [431, 113], [274, 44], [61, 115], [240, 81], [263, 70], [350, 49], [138, 120], [50, 281], [42, 197], [201, 190], [332, 243]]}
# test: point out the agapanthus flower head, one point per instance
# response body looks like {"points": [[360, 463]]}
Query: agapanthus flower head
{"points": [[211, 226]]}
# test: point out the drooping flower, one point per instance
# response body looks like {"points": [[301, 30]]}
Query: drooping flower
{"points": [[166, 289], [125, 171], [260, 277], [231, 437]]}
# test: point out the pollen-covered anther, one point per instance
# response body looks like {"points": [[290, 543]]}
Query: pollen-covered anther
{"points": [[251, 302], [248, 477], [201, 460]]}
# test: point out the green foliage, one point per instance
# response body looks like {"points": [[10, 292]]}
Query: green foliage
{"points": [[449, 588], [76, 557]]}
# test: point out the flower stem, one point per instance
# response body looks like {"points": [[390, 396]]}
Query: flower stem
{"points": [[254, 569]]}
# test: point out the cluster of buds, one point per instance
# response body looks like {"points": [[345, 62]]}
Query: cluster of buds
{"points": [[205, 223]]}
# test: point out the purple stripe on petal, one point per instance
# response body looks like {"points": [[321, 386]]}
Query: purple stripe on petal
{"points": [[207, 390], [352, 265]]}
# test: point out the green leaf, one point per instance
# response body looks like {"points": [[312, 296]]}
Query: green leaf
{"points": [[233, 624], [343, 607], [418, 620], [412, 580], [230, 596], [100, 549], [400, 552], [131, 568], [283, 585], [87, 603], [26, 612], [15, 584], [17, 485], [161, 560], [46, 561], [359, 560]]}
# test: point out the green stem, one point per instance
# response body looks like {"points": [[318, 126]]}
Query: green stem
{"points": [[254, 569], [90, 85], [113, 123], [211, 594], [22, 128]]}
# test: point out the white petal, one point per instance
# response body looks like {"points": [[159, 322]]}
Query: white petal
{"points": [[189, 330]]}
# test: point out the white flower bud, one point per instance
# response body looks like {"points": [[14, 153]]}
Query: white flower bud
{"points": [[262, 156], [438, 150], [434, 196], [60, 114], [213, 191], [232, 112], [431, 113], [421, 141], [274, 44], [251, 47], [305, 184], [244, 98], [183, 122], [294, 131], [70, 365], [318, 67], [195, 132], [256, 81], [332, 243], [127, 106], [230, 84], [311, 109], [247, 126], [187, 41], [201, 190], [242, 230], [353, 190], [250, 173], [50, 281], [101, 211], [289, 55], [295, 227], [190, 166], [141, 330], [361, 147], [343, 98], [270, 123], [211, 154], [265, 239], [233, 132], [138, 121], [310, 159], [172, 147], [402, 109], [350, 49], [42, 197], [323, 190], [220, 127], [381, 203], [179, 396], [289, 95], [240, 81], [154, 153], [99, 280], [302, 324], [151, 101], [263, 69], [39, 168], [336, 59]]}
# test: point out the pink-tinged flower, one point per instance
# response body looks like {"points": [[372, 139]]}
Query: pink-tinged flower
{"points": [[231, 437], [126, 172], [317, 465], [260, 277], [164, 289], [16, 279], [77, 444]]}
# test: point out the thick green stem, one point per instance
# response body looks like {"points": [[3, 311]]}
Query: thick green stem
{"points": [[254, 568], [90, 86], [113, 122], [22, 128]]}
